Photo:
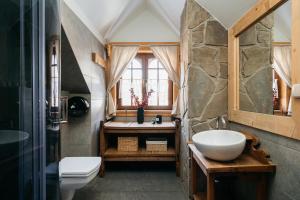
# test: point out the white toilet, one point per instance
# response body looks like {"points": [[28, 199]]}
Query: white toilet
{"points": [[75, 173]]}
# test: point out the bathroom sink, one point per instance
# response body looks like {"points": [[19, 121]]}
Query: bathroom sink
{"points": [[220, 145], [12, 136], [9, 142]]}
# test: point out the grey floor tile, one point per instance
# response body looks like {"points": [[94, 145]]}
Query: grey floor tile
{"points": [[134, 185]]}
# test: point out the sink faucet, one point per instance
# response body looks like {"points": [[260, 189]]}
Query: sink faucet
{"points": [[221, 123]]}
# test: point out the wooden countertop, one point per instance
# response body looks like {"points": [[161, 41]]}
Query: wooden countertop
{"points": [[135, 125], [244, 163]]}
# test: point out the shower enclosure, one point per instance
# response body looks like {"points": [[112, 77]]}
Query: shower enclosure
{"points": [[29, 133]]}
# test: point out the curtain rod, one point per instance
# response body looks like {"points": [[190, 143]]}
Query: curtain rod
{"points": [[281, 43], [146, 44]]}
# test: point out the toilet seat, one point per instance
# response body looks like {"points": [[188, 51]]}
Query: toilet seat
{"points": [[81, 167], [75, 173]]}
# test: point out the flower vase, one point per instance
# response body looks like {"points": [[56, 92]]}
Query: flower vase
{"points": [[140, 115]]}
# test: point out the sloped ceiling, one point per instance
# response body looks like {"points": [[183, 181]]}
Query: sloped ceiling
{"points": [[144, 24], [105, 17], [283, 23], [227, 12], [70, 69]]}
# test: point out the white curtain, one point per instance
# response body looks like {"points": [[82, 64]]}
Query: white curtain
{"points": [[282, 65], [121, 57], [168, 56]]}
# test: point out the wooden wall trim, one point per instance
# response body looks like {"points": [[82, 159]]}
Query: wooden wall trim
{"points": [[144, 43], [281, 44], [96, 58], [296, 62], [281, 125], [260, 9]]}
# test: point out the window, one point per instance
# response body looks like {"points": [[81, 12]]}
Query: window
{"points": [[144, 73]]}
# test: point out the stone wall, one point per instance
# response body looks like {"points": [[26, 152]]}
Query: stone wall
{"points": [[256, 94], [285, 153], [204, 67]]}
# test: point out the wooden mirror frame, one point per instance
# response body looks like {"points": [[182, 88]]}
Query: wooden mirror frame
{"points": [[282, 125]]}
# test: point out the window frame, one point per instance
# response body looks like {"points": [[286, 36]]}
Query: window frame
{"points": [[145, 58]]}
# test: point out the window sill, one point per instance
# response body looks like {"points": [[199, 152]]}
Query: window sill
{"points": [[148, 113]]}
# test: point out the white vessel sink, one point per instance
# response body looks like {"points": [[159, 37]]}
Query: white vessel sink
{"points": [[221, 145]]}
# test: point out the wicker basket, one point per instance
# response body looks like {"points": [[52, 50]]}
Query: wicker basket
{"points": [[127, 143], [157, 146]]}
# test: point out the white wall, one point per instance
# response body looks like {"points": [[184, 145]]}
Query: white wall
{"points": [[83, 43], [283, 23], [144, 26]]}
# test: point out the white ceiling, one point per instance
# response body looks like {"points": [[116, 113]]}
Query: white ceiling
{"points": [[227, 12], [145, 24], [104, 17]]}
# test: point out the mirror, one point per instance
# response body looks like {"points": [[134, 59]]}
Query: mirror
{"points": [[265, 64]]}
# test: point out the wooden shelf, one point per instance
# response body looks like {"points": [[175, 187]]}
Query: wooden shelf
{"points": [[110, 153], [244, 163], [114, 153], [253, 164]]}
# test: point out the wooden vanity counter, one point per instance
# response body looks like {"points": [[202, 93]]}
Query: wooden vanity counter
{"points": [[251, 165], [110, 153]]}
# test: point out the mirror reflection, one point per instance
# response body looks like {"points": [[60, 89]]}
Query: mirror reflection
{"points": [[265, 64]]}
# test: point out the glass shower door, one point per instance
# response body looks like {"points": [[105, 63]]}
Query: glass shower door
{"points": [[23, 100]]}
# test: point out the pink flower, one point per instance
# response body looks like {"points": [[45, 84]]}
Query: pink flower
{"points": [[144, 102]]}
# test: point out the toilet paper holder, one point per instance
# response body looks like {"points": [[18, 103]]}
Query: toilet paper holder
{"points": [[296, 91]]}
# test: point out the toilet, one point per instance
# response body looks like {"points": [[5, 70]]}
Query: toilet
{"points": [[75, 173]]}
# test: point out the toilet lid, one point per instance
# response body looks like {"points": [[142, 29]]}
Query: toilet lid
{"points": [[78, 166]]}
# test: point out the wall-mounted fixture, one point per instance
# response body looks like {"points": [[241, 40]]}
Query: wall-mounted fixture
{"points": [[78, 106], [64, 109], [54, 78], [296, 91]]}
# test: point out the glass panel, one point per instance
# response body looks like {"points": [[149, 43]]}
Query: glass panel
{"points": [[152, 74], [153, 63], [152, 84], [136, 74], [137, 87], [263, 47], [124, 88], [161, 66], [137, 63], [163, 74], [163, 92], [127, 74], [22, 87], [53, 30]]}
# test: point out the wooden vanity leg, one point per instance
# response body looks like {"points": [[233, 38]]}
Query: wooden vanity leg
{"points": [[177, 147], [210, 187], [194, 176], [102, 169], [261, 188], [177, 168], [102, 148]]}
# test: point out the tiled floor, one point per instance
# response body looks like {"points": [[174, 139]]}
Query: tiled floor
{"points": [[134, 184]]}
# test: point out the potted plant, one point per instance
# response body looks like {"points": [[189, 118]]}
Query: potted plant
{"points": [[140, 104]]}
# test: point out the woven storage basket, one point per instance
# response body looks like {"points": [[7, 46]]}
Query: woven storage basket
{"points": [[127, 143], [157, 146]]}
